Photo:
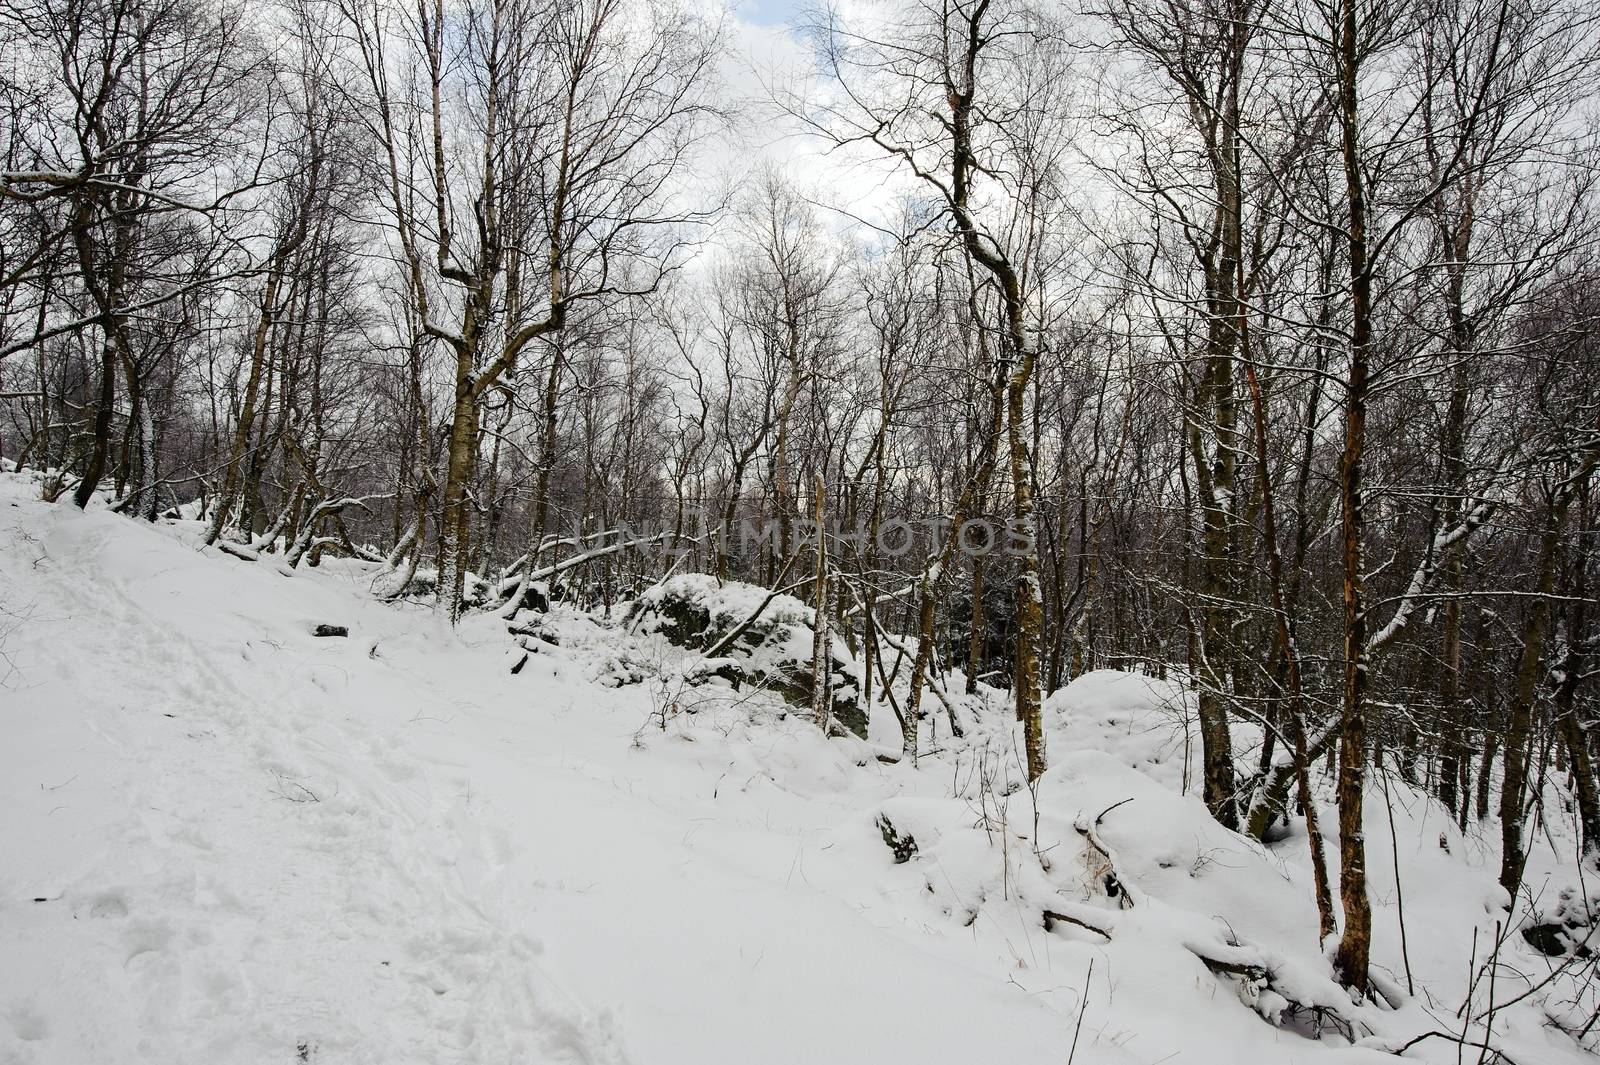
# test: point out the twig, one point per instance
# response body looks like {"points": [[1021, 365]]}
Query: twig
{"points": [[1083, 1004]]}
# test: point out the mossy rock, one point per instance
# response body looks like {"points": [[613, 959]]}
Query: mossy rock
{"points": [[692, 614]]}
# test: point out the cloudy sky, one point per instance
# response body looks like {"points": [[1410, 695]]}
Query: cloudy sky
{"points": [[766, 12], [763, 49]]}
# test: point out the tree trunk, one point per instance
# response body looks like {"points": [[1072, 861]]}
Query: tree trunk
{"points": [[1289, 653], [1519, 718], [975, 634], [1355, 943], [821, 634], [455, 517], [1029, 604]]}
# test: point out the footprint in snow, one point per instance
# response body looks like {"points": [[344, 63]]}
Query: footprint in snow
{"points": [[109, 905], [27, 1022], [146, 937]]}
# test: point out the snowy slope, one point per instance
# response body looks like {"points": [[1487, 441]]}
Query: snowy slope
{"points": [[227, 840]]}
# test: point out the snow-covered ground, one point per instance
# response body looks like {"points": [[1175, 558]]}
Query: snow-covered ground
{"points": [[226, 840]]}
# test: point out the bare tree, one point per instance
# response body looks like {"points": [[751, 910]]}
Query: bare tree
{"points": [[532, 165]]}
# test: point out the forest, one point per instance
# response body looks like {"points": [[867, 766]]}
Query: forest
{"points": [[1259, 342]]}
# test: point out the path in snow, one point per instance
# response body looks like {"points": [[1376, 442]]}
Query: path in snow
{"points": [[259, 846], [236, 864]]}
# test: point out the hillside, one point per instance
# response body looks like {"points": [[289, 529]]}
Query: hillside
{"points": [[228, 840]]}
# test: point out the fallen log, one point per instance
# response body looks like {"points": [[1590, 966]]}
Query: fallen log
{"points": [[1266, 982]]}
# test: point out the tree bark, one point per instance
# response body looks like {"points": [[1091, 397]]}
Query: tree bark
{"points": [[1355, 943]]}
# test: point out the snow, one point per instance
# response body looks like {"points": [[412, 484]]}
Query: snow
{"points": [[251, 844]]}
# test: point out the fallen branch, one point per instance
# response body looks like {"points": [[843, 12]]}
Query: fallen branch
{"points": [[1400, 1049], [238, 551], [716, 649], [1116, 886], [518, 587], [328, 508], [1271, 788], [1098, 927], [860, 607]]}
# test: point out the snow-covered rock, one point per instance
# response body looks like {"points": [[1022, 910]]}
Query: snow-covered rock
{"points": [[774, 652]]}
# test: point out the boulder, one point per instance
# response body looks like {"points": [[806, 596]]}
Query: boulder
{"points": [[694, 611]]}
